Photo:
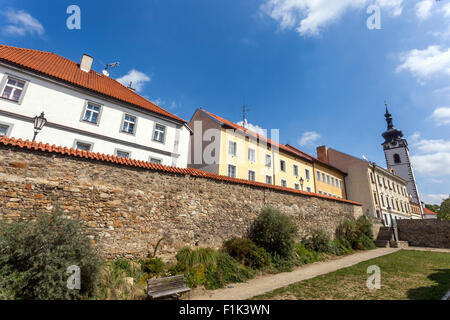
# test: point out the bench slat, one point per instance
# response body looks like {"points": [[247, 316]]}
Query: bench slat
{"points": [[168, 293], [166, 286]]}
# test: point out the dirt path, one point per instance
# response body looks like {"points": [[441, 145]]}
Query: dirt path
{"points": [[267, 283]]}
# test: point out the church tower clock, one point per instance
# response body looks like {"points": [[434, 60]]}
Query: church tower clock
{"points": [[397, 156]]}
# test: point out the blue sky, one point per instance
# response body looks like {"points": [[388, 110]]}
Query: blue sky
{"points": [[309, 68]]}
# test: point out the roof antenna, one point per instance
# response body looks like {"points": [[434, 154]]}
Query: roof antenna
{"points": [[109, 65]]}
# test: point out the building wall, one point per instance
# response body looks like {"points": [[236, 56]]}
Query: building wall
{"points": [[64, 105], [425, 233], [331, 175], [131, 208]]}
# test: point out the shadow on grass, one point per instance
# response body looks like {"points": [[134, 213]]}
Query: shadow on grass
{"points": [[434, 292]]}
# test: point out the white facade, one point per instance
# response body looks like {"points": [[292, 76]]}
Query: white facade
{"points": [[65, 110]]}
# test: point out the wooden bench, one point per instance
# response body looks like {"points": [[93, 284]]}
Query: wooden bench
{"points": [[168, 286]]}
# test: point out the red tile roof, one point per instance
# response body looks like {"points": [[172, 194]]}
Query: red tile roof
{"points": [[57, 67], [256, 135], [26, 144], [428, 211]]}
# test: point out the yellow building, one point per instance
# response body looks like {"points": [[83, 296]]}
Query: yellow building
{"points": [[223, 147]]}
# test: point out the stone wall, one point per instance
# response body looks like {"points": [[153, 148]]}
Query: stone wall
{"points": [[425, 233], [131, 208]]}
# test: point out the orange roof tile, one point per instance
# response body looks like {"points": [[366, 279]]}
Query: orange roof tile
{"points": [[33, 145], [428, 211], [55, 66]]}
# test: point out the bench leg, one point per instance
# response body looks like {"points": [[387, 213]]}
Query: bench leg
{"points": [[189, 295]]}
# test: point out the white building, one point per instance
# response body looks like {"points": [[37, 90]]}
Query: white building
{"points": [[84, 109]]}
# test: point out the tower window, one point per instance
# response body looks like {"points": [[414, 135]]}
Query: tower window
{"points": [[397, 158]]}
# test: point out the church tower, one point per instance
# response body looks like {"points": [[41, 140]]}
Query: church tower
{"points": [[397, 156]]}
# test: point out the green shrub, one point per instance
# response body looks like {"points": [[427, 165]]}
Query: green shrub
{"points": [[319, 241], [305, 256], [364, 226], [209, 267], [348, 230], [365, 242], [247, 253], [282, 264], [35, 255], [275, 232], [153, 267]]}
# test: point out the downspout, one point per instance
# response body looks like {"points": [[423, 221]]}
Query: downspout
{"points": [[314, 176], [376, 188]]}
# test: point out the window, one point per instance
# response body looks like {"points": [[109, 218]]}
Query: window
{"points": [[283, 165], [308, 189], [296, 186], [85, 146], [269, 179], [251, 155], [328, 179], [337, 182], [375, 197], [4, 130], [323, 177], [307, 174], [295, 170], [397, 158], [122, 154], [320, 192], [155, 160], [159, 133], [318, 175], [384, 182], [379, 181], [268, 161], [232, 148], [371, 177], [382, 200], [91, 113], [283, 183], [341, 185], [251, 175], [231, 171], [13, 89], [129, 122], [332, 181]]}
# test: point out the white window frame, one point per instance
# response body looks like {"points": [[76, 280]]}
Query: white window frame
{"points": [[283, 183], [77, 141], [160, 132], [296, 186], [117, 151], [155, 160], [308, 189], [252, 152], [281, 167], [8, 126], [85, 110], [232, 151], [251, 172], [295, 168], [235, 171], [268, 178], [268, 161], [4, 83], [124, 120], [318, 175], [307, 174]]}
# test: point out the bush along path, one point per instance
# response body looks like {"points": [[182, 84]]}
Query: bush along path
{"points": [[270, 282]]}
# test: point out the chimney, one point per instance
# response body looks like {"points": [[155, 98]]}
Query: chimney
{"points": [[86, 63], [322, 153]]}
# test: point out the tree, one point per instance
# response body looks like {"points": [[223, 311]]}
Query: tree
{"points": [[444, 212]]}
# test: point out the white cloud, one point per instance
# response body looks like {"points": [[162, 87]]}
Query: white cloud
{"points": [[137, 78], [427, 62], [432, 157], [423, 9], [446, 10], [434, 198], [441, 115], [21, 22], [436, 145], [308, 138], [253, 127], [310, 16]]}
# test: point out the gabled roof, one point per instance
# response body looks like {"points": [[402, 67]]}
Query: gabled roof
{"points": [[62, 69], [35, 146], [258, 136]]}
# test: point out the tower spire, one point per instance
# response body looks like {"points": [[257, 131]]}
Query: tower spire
{"points": [[391, 134]]}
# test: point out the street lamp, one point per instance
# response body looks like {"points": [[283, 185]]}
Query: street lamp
{"points": [[39, 123], [301, 182]]}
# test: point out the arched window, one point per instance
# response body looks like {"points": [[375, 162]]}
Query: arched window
{"points": [[397, 158]]}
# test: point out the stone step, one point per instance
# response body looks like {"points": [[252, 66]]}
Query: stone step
{"points": [[382, 243], [399, 244]]}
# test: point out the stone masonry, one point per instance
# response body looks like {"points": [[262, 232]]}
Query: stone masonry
{"points": [[425, 233], [130, 208]]}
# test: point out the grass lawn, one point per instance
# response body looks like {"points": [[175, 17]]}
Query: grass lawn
{"points": [[405, 275]]}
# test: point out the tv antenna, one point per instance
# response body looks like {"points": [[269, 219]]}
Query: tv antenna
{"points": [[109, 65]]}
